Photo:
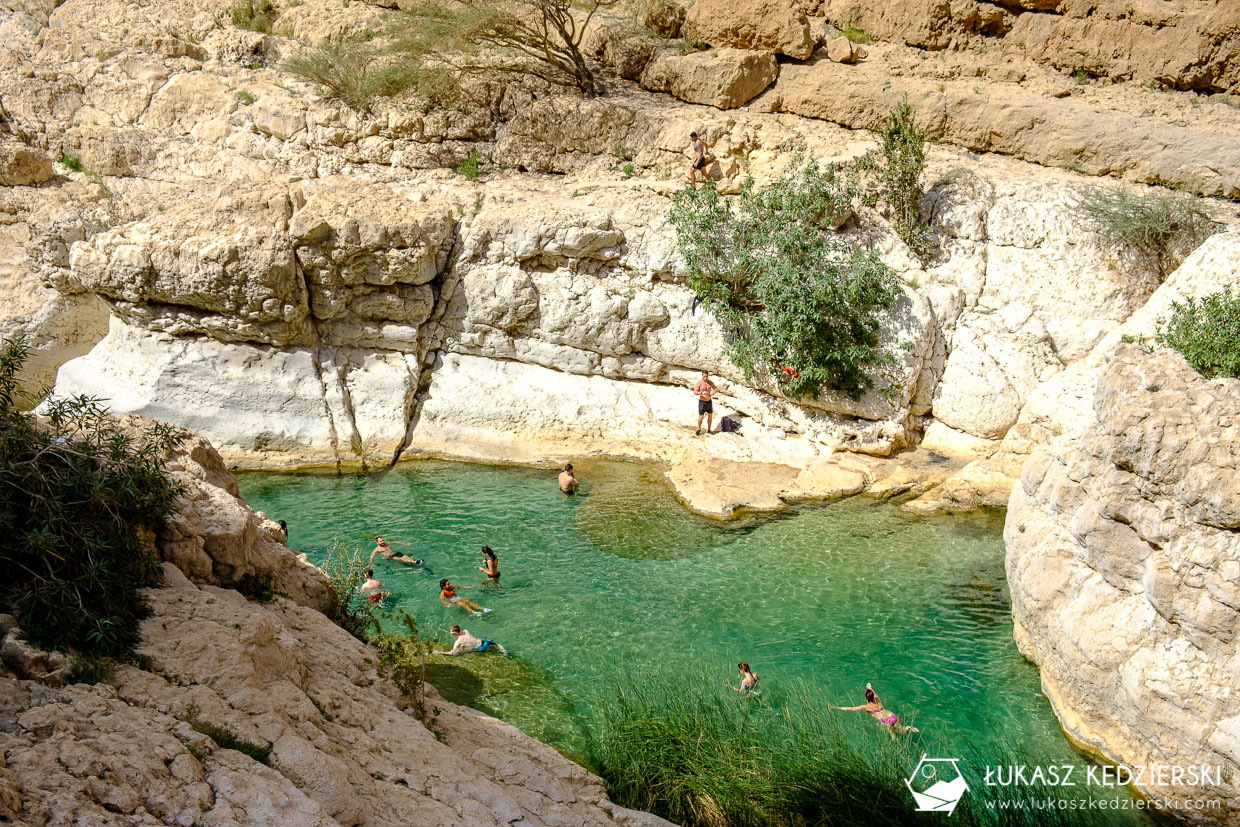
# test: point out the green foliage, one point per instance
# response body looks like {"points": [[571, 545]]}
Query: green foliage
{"points": [[225, 737], [345, 566], [356, 74], [790, 292], [76, 495], [538, 38], [245, 97], [1162, 228], [1207, 332], [1080, 76], [252, 16], [855, 35], [469, 167], [689, 46], [402, 660], [71, 161], [90, 669], [624, 153], [897, 168], [627, 169], [689, 750], [257, 588]]}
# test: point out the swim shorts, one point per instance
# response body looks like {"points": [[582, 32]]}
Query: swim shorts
{"points": [[700, 163], [705, 406], [482, 647]]}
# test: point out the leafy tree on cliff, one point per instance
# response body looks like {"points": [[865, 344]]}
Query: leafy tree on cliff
{"points": [[541, 38], [797, 301], [80, 499]]}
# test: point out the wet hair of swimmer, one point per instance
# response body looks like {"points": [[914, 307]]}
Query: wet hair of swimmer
{"points": [[370, 572], [744, 667], [455, 628], [568, 467], [869, 695], [487, 551], [443, 583], [283, 526]]}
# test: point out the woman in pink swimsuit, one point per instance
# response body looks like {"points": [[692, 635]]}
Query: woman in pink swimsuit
{"points": [[874, 708]]}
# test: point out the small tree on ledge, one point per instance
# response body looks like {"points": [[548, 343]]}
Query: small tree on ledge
{"points": [[540, 38]]}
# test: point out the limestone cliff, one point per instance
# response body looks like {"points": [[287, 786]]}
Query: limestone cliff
{"points": [[1123, 557], [345, 746]]}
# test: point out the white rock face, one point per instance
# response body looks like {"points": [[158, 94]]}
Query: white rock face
{"points": [[1124, 565]]}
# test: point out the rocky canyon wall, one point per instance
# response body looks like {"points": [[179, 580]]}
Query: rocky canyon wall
{"points": [[1123, 557]]}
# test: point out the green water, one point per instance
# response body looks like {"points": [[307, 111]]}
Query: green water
{"points": [[622, 581]]}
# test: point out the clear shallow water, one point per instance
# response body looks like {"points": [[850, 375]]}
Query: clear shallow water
{"points": [[624, 581]]}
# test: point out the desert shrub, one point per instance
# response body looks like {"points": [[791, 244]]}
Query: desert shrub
{"points": [[896, 169], [252, 16], [345, 567], [540, 38], [356, 74], [244, 97], [72, 161], [77, 494], [90, 669], [402, 660], [469, 167], [1207, 332], [1162, 228], [702, 756], [856, 35], [797, 301]]}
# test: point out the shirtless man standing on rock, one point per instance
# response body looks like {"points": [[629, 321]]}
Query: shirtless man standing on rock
{"points": [[699, 147], [705, 389]]}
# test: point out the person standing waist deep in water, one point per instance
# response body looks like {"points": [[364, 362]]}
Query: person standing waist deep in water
{"points": [[490, 564], [568, 480]]}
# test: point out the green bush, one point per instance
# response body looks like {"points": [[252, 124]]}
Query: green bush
{"points": [[699, 755], [77, 494], [356, 74], [1207, 332], [1160, 227], [252, 16], [90, 669], [345, 567], [71, 161], [897, 167], [402, 660], [797, 301], [855, 35], [469, 167]]}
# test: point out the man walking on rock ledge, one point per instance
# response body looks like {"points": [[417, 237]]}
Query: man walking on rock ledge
{"points": [[705, 389]]}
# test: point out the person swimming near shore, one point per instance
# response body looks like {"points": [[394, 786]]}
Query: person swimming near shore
{"points": [[749, 679], [384, 547], [490, 564], [568, 480], [448, 597], [884, 717], [466, 643], [372, 589]]}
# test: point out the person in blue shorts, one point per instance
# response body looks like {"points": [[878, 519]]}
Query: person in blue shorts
{"points": [[466, 643]]}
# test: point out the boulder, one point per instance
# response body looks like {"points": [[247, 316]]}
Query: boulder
{"points": [[1123, 560], [840, 50], [21, 166], [664, 17], [765, 25], [724, 78]]}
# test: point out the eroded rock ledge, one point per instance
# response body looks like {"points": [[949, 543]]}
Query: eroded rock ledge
{"points": [[345, 748], [1123, 556]]}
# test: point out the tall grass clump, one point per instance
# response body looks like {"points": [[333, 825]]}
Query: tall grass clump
{"points": [[345, 567], [799, 302], [1207, 332], [686, 748], [80, 500], [356, 74], [1162, 228], [897, 167]]}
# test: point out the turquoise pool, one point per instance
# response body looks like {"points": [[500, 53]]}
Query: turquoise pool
{"points": [[623, 581]]}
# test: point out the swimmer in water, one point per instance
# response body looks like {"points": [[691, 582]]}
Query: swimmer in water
{"points": [[384, 547], [884, 717], [372, 589], [448, 597], [490, 564], [749, 679], [568, 480]]}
